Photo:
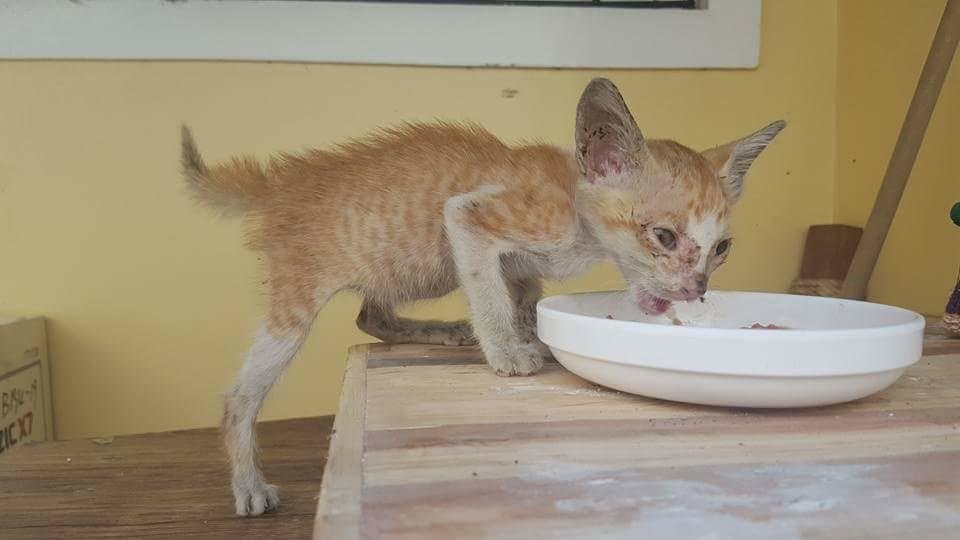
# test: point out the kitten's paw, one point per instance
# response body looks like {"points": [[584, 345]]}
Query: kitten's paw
{"points": [[255, 498], [451, 334], [458, 334], [524, 359]]}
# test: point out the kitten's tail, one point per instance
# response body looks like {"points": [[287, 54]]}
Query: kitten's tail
{"points": [[233, 188]]}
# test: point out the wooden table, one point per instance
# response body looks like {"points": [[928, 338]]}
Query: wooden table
{"points": [[175, 484], [161, 485], [429, 444]]}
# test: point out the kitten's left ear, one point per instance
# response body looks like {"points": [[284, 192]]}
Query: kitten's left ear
{"points": [[732, 160]]}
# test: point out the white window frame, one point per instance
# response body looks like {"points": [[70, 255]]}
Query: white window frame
{"points": [[726, 34]]}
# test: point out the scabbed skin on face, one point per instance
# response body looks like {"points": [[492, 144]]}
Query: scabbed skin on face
{"points": [[676, 197], [660, 208]]}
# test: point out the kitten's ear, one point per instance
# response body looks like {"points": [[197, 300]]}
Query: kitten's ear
{"points": [[608, 140], [733, 160]]}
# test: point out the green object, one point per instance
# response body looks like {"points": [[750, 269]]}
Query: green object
{"points": [[955, 214]]}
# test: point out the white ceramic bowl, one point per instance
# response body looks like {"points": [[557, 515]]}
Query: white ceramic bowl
{"points": [[834, 350]]}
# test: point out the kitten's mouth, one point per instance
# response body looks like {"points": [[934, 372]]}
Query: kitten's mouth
{"points": [[653, 305], [658, 305]]}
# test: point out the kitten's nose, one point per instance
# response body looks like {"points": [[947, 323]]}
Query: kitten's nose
{"points": [[701, 281], [695, 288]]}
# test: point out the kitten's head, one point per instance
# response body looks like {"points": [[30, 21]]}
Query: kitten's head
{"points": [[660, 209]]}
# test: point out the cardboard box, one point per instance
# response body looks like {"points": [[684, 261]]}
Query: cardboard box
{"points": [[26, 411]]}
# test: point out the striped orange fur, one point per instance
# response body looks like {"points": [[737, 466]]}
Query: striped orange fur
{"points": [[415, 211]]}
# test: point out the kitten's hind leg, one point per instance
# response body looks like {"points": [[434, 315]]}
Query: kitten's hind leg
{"points": [[276, 343], [383, 323]]}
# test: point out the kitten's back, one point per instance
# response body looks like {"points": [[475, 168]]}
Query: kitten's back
{"points": [[373, 207]]}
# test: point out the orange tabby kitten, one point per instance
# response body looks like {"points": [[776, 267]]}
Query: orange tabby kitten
{"points": [[413, 212]]}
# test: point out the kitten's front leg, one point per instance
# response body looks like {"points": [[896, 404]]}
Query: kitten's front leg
{"points": [[494, 314], [526, 292], [477, 256]]}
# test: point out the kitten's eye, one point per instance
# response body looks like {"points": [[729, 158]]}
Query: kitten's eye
{"points": [[666, 237], [722, 247]]}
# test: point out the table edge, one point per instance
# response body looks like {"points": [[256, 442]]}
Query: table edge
{"points": [[338, 507]]}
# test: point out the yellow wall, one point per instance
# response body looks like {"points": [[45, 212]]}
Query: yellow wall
{"points": [[881, 48], [151, 300]]}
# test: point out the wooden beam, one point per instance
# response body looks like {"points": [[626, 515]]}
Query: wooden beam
{"points": [[905, 152]]}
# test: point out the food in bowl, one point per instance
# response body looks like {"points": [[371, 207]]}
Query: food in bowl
{"points": [[759, 326]]}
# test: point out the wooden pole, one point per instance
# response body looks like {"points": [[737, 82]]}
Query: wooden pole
{"points": [[905, 152]]}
